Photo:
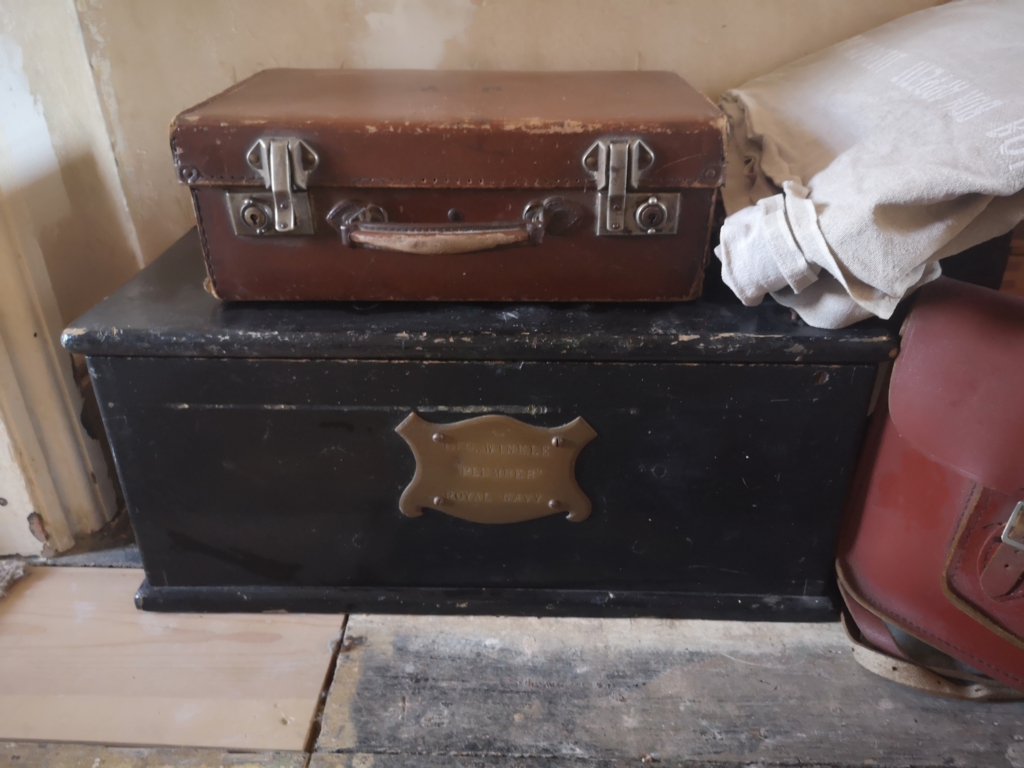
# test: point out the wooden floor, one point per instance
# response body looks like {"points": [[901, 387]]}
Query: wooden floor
{"points": [[79, 664], [620, 691]]}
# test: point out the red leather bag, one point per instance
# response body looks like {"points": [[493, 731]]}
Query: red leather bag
{"points": [[931, 557]]}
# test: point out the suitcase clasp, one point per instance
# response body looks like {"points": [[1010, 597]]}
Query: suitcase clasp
{"points": [[284, 166], [617, 165]]}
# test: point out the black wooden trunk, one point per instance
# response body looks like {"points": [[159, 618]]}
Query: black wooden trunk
{"points": [[261, 469]]}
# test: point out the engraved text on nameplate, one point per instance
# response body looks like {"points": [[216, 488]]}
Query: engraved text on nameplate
{"points": [[495, 469]]}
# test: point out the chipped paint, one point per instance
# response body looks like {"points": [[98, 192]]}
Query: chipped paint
{"points": [[540, 126], [15, 536], [523, 410]]}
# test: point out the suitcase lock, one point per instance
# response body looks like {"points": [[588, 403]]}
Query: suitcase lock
{"points": [[617, 165], [284, 166]]}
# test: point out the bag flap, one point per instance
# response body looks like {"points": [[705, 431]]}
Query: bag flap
{"points": [[403, 128], [904, 510], [957, 389]]}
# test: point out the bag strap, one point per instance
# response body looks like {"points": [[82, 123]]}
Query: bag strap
{"points": [[952, 684]]}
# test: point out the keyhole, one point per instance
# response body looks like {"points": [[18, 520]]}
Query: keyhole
{"points": [[651, 214], [255, 216]]}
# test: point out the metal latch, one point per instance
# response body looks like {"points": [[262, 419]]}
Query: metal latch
{"points": [[1013, 533], [618, 165], [284, 166]]}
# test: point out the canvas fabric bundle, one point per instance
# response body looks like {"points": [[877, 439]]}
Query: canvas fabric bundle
{"points": [[853, 170]]}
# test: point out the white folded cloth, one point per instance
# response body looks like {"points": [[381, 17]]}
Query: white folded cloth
{"points": [[853, 170]]}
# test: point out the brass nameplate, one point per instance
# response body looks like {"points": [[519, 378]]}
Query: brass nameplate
{"points": [[495, 469]]}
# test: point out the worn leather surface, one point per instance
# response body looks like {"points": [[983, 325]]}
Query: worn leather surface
{"points": [[957, 390], [422, 144], [426, 129], [574, 267], [926, 512], [893, 555]]}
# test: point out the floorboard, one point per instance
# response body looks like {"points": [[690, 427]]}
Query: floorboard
{"points": [[619, 691], [79, 663], [364, 760], [43, 755]]}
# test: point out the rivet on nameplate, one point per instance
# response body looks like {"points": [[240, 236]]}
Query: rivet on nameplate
{"points": [[495, 469]]}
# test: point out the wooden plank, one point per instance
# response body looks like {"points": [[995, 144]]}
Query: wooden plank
{"points": [[42, 755], [621, 689], [366, 760], [79, 663]]}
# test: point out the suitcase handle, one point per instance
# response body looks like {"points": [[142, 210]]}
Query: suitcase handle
{"points": [[365, 224]]}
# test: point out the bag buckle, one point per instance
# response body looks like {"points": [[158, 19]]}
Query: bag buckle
{"points": [[1013, 533]]}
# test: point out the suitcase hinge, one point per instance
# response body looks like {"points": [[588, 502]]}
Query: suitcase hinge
{"points": [[284, 166], [617, 166]]}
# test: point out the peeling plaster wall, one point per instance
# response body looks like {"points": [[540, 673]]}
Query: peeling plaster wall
{"points": [[152, 60], [55, 155], [15, 503], [66, 241]]}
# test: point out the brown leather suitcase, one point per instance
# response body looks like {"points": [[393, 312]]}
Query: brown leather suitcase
{"points": [[479, 186], [931, 559]]}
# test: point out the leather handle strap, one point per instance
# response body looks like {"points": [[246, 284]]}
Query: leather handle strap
{"points": [[363, 224], [441, 239]]}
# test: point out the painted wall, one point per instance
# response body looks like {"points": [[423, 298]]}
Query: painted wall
{"points": [[66, 241], [152, 60], [56, 154], [16, 503]]}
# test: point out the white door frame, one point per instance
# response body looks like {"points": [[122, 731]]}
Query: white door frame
{"points": [[63, 468]]}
